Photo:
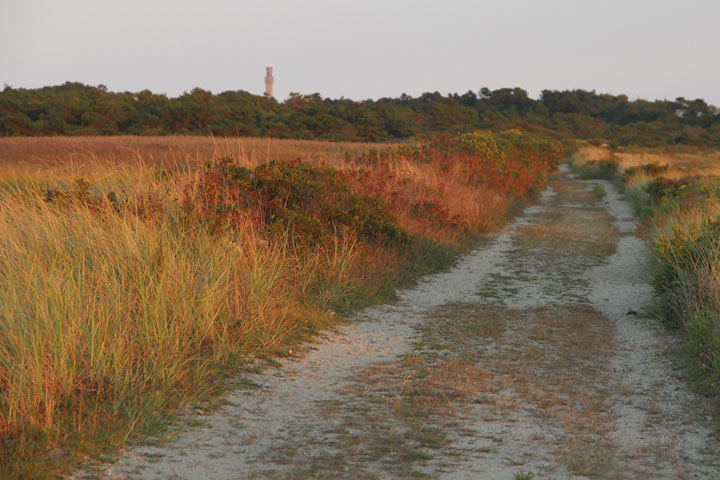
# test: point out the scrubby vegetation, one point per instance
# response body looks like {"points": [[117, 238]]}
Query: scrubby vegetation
{"points": [[678, 197], [77, 109], [130, 290]]}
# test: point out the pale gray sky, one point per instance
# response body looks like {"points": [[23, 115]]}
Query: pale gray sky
{"points": [[366, 48]]}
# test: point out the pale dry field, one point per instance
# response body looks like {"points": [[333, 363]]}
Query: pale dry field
{"points": [[172, 150], [682, 164]]}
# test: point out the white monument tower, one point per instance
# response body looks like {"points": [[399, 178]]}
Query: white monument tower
{"points": [[269, 80]]}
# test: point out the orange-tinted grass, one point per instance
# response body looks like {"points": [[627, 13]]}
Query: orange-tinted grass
{"points": [[113, 316]]}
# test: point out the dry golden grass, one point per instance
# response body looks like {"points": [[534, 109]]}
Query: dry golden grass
{"points": [[115, 312], [573, 192], [682, 164], [111, 318], [566, 380], [57, 159], [172, 150], [53, 160], [704, 163], [548, 361], [581, 227], [470, 322], [108, 160], [588, 232], [592, 154]]}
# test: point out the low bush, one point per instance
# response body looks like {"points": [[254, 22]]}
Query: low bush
{"points": [[307, 203], [650, 169], [603, 169]]}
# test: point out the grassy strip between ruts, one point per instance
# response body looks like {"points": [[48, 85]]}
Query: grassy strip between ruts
{"points": [[132, 292], [678, 199]]}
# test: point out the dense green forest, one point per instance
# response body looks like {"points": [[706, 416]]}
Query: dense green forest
{"points": [[77, 109]]}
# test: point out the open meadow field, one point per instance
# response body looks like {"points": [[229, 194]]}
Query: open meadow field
{"points": [[88, 154]]}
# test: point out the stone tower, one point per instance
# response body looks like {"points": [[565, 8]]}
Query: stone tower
{"points": [[269, 80]]}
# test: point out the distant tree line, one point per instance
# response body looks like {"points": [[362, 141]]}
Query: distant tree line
{"points": [[77, 109]]}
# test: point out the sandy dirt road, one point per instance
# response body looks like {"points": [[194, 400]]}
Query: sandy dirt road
{"points": [[521, 361]]}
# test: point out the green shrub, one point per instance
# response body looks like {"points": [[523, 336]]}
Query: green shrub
{"points": [[600, 169], [310, 203], [651, 169], [688, 286]]}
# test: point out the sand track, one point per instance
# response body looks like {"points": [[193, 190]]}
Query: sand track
{"points": [[520, 358]]}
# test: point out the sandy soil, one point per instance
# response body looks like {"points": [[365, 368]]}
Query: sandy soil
{"points": [[519, 361]]}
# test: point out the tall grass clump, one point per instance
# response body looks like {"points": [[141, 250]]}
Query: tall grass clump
{"points": [[687, 280], [130, 292], [594, 162], [111, 314]]}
